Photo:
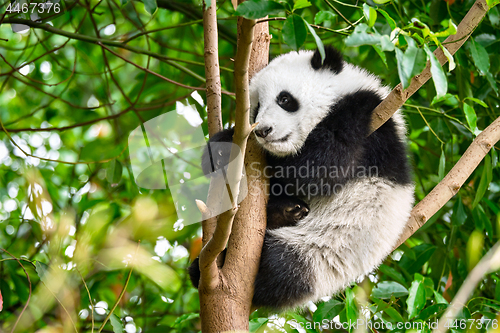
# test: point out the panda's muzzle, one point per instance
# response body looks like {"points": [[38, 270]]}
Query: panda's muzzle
{"points": [[263, 132]]}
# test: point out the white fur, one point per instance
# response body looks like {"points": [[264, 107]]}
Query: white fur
{"points": [[346, 236], [293, 72]]}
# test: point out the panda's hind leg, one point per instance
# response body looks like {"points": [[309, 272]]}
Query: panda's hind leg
{"points": [[283, 211]]}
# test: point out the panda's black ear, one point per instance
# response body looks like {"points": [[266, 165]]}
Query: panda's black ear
{"points": [[333, 60]]}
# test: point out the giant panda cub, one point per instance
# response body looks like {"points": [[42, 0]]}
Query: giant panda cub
{"points": [[339, 197]]}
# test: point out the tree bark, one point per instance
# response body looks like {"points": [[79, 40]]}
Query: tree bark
{"points": [[453, 181], [226, 293], [399, 96]]}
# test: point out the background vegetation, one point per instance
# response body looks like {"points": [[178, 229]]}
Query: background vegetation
{"points": [[84, 249]]}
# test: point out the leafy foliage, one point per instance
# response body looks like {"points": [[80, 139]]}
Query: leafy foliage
{"points": [[75, 223]]}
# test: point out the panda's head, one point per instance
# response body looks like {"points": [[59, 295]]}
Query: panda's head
{"points": [[295, 92]]}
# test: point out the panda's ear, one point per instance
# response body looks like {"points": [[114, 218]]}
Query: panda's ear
{"points": [[333, 60]]}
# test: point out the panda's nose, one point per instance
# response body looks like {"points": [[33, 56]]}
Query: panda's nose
{"points": [[263, 132]]}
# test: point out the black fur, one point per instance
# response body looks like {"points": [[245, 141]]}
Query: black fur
{"points": [[284, 277], [282, 211], [339, 141], [285, 211], [217, 152], [343, 133], [194, 268], [333, 60]]}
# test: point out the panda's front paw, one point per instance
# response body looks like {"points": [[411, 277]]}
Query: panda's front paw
{"points": [[218, 151], [296, 212], [285, 211]]}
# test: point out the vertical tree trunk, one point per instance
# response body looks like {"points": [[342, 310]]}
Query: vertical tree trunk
{"points": [[225, 301]]}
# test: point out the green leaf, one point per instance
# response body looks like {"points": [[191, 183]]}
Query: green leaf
{"points": [[443, 98], [116, 323], [301, 4], [323, 16], [351, 310], [208, 3], [386, 289], [416, 299], [150, 6], [41, 270], [423, 252], [471, 116], [184, 318], [389, 19], [478, 101], [319, 43], [438, 75], [381, 2], [381, 54], [22, 289], [494, 158], [480, 57], [254, 9], [492, 82], [387, 45], [442, 165], [303, 322], [410, 63], [370, 14], [392, 273], [328, 310], [101, 149], [485, 181], [448, 56], [494, 17], [450, 30], [475, 246], [114, 171], [361, 37], [492, 3], [257, 323], [459, 216], [432, 311], [439, 298], [294, 31]]}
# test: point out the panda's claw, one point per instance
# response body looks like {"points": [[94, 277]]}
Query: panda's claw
{"points": [[297, 212]]}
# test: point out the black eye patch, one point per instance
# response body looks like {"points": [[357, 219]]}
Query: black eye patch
{"points": [[287, 102]]}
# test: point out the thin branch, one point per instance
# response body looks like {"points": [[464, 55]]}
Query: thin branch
{"points": [[58, 161], [340, 31], [161, 29], [29, 295], [149, 71], [453, 181], [90, 299], [208, 266], [212, 71], [489, 263], [64, 128], [339, 13], [117, 301], [398, 96], [214, 107], [108, 42]]}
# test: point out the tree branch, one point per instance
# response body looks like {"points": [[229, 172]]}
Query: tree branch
{"points": [[212, 71], [489, 263], [242, 131], [453, 181], [398, 96]]}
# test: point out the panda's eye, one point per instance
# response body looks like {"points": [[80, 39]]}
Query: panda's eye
{"points": [[287, 102]]}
